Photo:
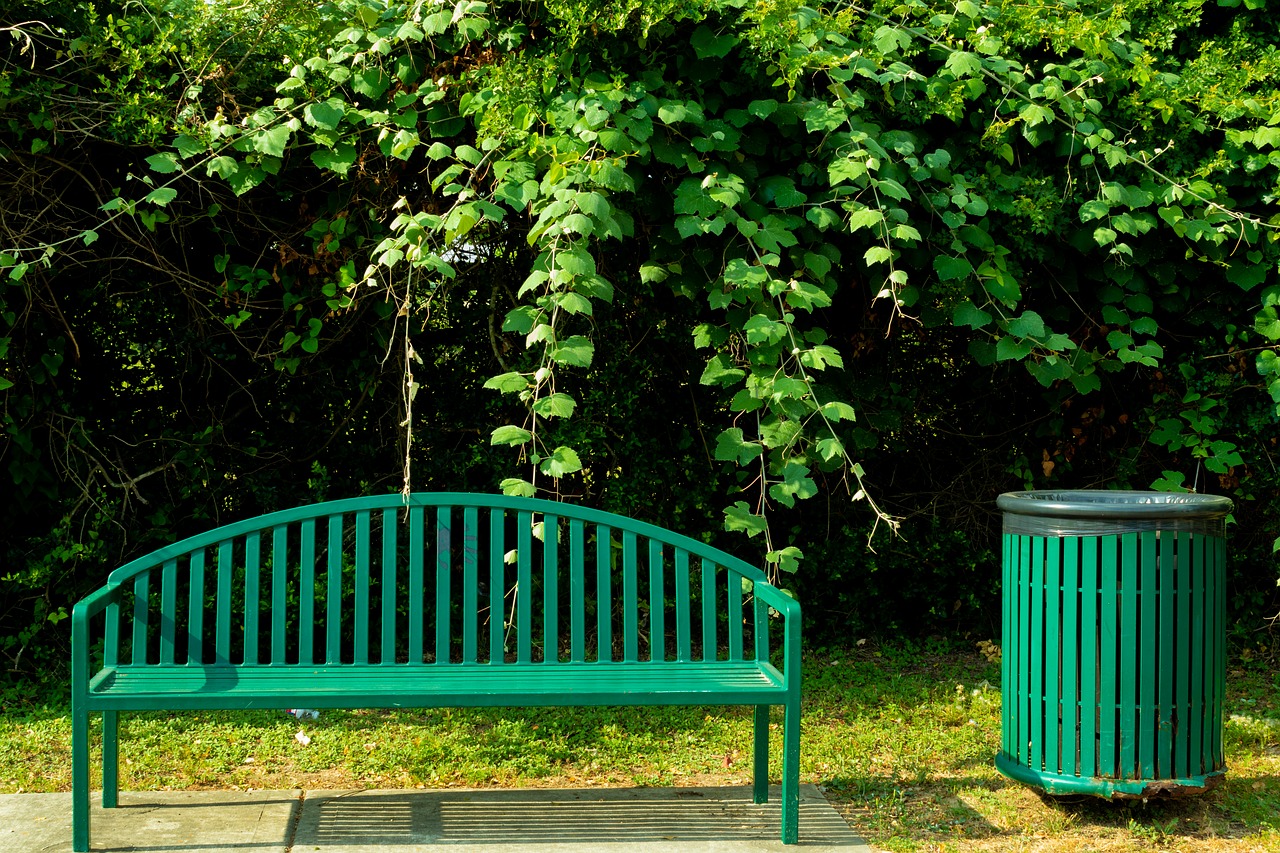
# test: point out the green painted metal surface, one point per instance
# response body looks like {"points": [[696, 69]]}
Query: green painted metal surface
{"points": [[384, 602], [1114, 662]]}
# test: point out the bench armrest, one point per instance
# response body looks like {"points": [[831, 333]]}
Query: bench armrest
{"points": [[96, 602], [777, 599], [93, 603], [789, 609]]}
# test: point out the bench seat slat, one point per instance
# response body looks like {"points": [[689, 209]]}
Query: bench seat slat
{"points": [[354, 686]]}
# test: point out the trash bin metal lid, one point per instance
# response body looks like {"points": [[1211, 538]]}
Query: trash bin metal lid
{"points": [[1103, 504]]}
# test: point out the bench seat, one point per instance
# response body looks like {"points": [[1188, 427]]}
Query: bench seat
{"points": [[130, 688]]}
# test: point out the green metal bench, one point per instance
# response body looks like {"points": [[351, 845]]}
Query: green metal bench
{"points": [[440, 600]]}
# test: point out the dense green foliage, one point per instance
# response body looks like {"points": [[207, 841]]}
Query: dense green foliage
{"points": [[714, 264]]}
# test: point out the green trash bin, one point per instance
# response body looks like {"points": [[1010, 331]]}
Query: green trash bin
{"points": [[1114, 642]]}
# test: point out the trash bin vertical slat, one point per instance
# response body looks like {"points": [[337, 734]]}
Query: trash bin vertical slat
{"points": [[1028, 746], [1071, 645], [1023, 649], [1148, 724], [1182, 705], [1220, 663], [1198, 660], [1053, 653], [1168, 631], [1108, 760], [1008, 621], [1090, 649], [1036, 705], [1207, 760], [1130, 652]]}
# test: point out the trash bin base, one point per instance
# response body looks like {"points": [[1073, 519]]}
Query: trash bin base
{"points": [[1059, 784]]}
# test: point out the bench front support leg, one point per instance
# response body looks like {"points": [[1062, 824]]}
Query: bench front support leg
{"points": [[791, 772], [79, 778], [791, 728], [110, 759], [760, 756]]}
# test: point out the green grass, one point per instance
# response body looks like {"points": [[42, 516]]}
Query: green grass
{"points": [[929, 784], [901, 739]]}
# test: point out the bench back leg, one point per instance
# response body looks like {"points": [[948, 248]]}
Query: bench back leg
{"points": [[791, 771], [79, 778], [760, 756], [110, 759]]}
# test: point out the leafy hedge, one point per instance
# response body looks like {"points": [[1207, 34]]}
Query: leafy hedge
{"points": [[807, 273]]}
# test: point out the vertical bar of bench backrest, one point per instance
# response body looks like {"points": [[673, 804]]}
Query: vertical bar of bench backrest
{"points": [[684, 619], [733, 589], [111, 636], [417, 584], [708, 610], [444, 545], [760, 628], [604, 593], [497, 586], [222, 638], [630, 599], [470, 584], [141, 600], [550, 588], [657, 604], [577, 592], [279, 597], [195, 609], [524, 588], [389, 585], [307, 593], [360, 652], [168, 609], [252, 588], [333, 594]]}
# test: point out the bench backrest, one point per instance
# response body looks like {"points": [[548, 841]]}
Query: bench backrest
{"points": [[436, 579]]}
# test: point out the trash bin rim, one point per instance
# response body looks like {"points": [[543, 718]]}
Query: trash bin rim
{"points": [[1108, 504]]}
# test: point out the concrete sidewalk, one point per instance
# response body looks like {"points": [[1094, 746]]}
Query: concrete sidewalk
{"points": [[612, 820]]}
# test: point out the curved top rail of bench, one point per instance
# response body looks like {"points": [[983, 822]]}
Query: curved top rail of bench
{"points": [[433, 499]]}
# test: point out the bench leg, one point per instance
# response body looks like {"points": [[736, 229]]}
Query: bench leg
{"points": [[791, 772], [79, 779], [110, 759], [760, 756]]}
